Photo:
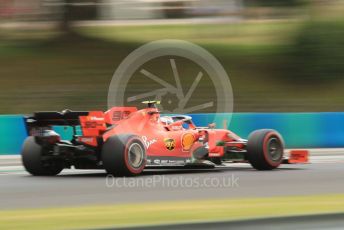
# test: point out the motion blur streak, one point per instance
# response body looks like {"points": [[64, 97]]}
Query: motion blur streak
{"points": [[280, 55], [167, 212]]}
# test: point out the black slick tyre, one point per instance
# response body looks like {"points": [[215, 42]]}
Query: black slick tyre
{"points": [[265, 149], [32, 154]]}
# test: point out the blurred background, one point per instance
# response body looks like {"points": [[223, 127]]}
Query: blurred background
{"points": [[281, 55]]}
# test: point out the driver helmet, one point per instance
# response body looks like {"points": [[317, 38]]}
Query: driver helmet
{"points": [[166, 120]]}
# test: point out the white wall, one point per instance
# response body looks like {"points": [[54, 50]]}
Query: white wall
{"points": [[151, 9], [128, 9]]}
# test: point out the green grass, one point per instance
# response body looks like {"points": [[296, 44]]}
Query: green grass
{"points": [[169, 212], [242, 34], [53, 72]]}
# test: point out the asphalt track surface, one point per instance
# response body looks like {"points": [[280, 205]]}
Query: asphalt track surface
{"points": [[325, 175]]}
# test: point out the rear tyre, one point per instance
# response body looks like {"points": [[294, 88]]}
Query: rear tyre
{"points": [[265, 149], [124, 155], [32, 154]]}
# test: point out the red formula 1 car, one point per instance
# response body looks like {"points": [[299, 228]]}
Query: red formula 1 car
{"points": [[124, 141]]}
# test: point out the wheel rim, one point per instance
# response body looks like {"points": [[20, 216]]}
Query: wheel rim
{"points": [[275, 149], [135, 155]]}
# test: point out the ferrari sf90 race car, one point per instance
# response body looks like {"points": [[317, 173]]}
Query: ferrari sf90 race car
{"points": [[124, 141]]}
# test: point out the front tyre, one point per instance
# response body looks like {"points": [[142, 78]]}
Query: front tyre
{"points": [[32, 154], [124, 155], [265, 149]]}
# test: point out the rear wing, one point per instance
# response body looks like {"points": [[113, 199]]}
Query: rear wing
{"points": [[70, 118], [40, 121], [92, 123]]}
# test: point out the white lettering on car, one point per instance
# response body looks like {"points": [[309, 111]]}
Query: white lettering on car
{"points": [[147, 142], [96, 118]]}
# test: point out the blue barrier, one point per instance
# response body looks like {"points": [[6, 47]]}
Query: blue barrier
{"points": [[12, 134], [299, 130]]}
